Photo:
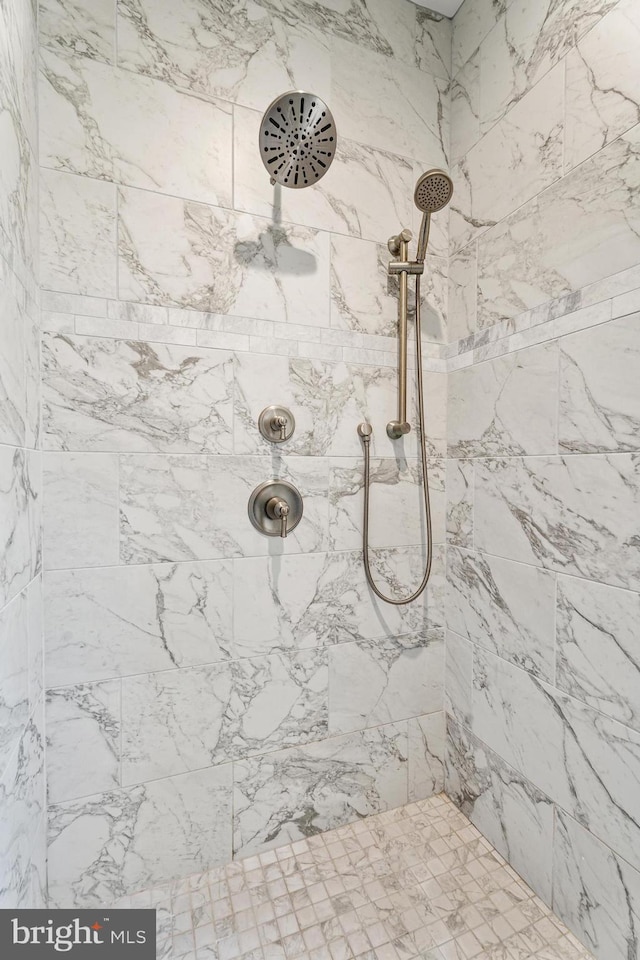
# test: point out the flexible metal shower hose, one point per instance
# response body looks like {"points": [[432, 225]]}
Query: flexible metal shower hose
{"points": [[425, 481]]}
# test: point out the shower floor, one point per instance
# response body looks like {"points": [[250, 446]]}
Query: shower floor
{"points": [[416, 882]]}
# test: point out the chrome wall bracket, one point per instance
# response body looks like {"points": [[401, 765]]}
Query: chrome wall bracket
{"points": [[276, 423], [275, 508]]}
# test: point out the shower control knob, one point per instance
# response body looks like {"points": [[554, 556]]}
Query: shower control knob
{"points": [[276, 424], [275, 508]]}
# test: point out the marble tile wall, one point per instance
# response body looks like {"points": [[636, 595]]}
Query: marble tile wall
{"points": [[192, 657], [22, 783], [543, 479]]}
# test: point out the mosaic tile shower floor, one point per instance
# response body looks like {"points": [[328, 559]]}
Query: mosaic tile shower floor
{"points": [[416, 882]]}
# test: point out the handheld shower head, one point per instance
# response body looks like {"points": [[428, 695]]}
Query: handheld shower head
{"points": [[434, 190]]}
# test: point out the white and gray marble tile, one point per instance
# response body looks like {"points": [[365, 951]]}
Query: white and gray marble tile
{"points": [[77, 234], [595, 892], [396, 571], [80, 515], [597, 657], [426, 737], [433, 43], [389, 105], [22, 805], [508, 608], [105, 846], [458, 678], [576, 515], [87, 715], [603, 90], [192, 507], [86, 29], [194, 48], [35, 641], [307, 602], [363, 298], [472, 23], [584, 761], [186, 719], [516, 817], [296, 793], [599, 401], [580, 230], [14, 678], [506, 406], [119, 621], [20, 519], [13, 392], [184, 254], [525, 44], [465, 108], [110, 124], [117, 395], [384, 680], [463, 293], [459, 486], [396, 516], [514, 161], [366, 192]]}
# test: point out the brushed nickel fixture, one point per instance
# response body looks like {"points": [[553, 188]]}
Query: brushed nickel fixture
{"points": [[297, 139], [276, 423], [433, 192], [275, 508]]}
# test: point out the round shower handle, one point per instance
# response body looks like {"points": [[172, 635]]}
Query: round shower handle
{"points": [[275, 508], [276, 423]]}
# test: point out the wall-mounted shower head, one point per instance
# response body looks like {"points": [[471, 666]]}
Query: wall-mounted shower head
{"points": [[434, 190], [297, 139]]}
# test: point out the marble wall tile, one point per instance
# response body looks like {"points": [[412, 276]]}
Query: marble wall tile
{"points": [[426, 738], [20, 519], [596, 893], [306, 602], [366, 193], [597, 647], [86, 29], [433, 43], [363, 297], [80, 512], [14, 679], [110, 395], [196, 48], [77, 234], [458, 678], [195, 508], [104, 846], [603, 90], [516, 817], [380, 681], [599, 402], [118, 621], [22, 805], [328, 401], [459, 485], [109, 124], [396, 571], [585, 762], [525, 44], [505, 406], [507, 607], [514, 161], [465, 108], [86, 715], [388, 105], [295, 793], [35, 642], [396, 507], [575, 515], [472, 23], [578, 231], [12, 359], [186, 719], [187, 254], [461, 316]]}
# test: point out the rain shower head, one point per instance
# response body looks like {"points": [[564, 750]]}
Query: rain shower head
{"points": [[297, 139], [434, 190]]}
